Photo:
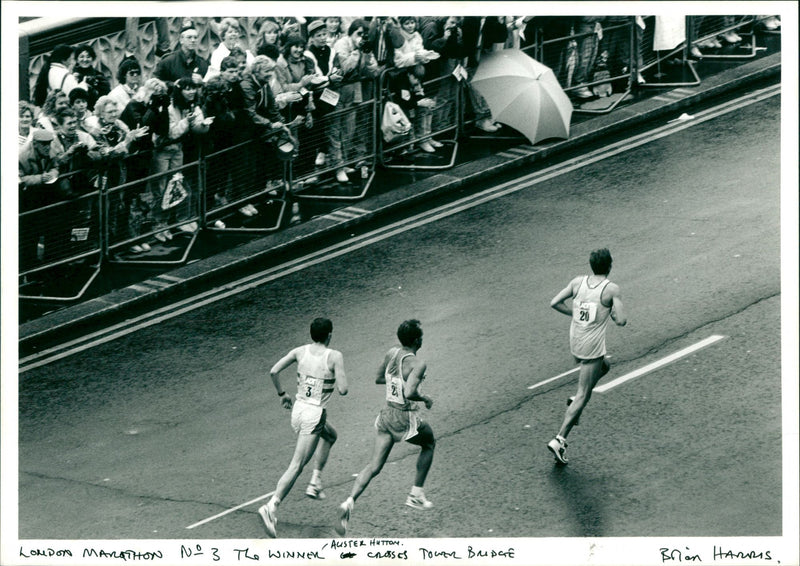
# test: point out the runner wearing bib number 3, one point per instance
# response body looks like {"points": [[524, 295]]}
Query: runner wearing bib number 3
{"points": [[595, 299], [319, 369], [402, 372]]}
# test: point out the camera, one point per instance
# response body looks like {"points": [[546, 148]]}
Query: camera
{"points": [[160, 99]]}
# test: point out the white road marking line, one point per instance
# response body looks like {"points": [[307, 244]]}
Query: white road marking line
{"points": [[559, 376], [231, 510], [659, 363], [257, 279]]}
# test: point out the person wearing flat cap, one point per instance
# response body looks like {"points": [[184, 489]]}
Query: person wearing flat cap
{"points": [[185, 61]]}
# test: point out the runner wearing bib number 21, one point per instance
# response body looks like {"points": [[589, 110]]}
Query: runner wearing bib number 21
{"points": [[402, 372], [595, 300], [319, 370]]}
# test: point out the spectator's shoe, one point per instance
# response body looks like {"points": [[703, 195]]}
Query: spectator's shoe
{"points": [[349, 170], [418, 502], [267, 513], [694, 51], [558, 448], [320, 160], [344, 518], [145, 247], [314, 491], [731, 37], [341, 176], [310, 181], [427, 147], [772, 23], [583, 92], [426, 103], [487, 126], [435, 143], [136, 249], [364, 172], [246, 210], [219, 224], [160, 237], [190, 228], [715, 43], [253, 209]]}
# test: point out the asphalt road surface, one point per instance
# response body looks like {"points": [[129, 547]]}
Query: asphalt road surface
{"points": [[144, 436]]}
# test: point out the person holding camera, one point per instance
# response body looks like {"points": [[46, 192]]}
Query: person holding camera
{"points": [[89, 78]]}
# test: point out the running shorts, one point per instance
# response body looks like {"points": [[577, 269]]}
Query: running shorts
{"points": [[307, 418], [401, 425]]}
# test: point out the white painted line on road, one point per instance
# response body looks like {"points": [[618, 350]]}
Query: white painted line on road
{"points": [[659, 363], [559, 376], [231, 510]]}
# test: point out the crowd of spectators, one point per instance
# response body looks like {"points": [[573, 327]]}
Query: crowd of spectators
{"points": [[294, 73]]}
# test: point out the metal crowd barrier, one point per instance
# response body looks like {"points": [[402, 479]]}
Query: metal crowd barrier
{"points": [[599, 60], [345, 136], [701, 28], [60, 234], [442, 121], [246, 173], [651, 58]]}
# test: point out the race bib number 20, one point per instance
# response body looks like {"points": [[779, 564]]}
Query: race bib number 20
{"points": [[585, 313]]}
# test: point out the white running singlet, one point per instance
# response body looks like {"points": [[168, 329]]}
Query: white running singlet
{"points": [[587, 333], [314, 380]]}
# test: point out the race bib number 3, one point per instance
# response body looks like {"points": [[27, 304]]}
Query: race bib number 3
{"points": [[585, 313], [311, 387]]}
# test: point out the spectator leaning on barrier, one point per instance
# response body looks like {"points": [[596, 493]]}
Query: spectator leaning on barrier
{"points": [[26, 129], [91, 79], [38, 178], [325, 101], [444, 36], [74, 149], [471, 28], [412, 55], [129, 76], [358, 65], [56, 100], [55, 74], [185, 61]]}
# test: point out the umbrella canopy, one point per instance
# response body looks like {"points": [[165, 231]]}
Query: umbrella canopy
{"points": [[524, 94]]}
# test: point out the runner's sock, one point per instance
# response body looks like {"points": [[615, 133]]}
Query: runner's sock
{"points": [[315, 477], [416, 491]]}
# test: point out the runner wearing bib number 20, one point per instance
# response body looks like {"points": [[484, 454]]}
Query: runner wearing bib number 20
{"points": [[319, 370], [402, 373], [595, 300]]}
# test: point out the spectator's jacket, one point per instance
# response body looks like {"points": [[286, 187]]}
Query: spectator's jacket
{"points": [[61, 78], [289, 76], [176, 65], [218, 55], [452, 49], [62, 143], [110, 139], [356, 66], [383, 40], [32, 193], [97, 82], [121, 94], [404, 54], [259, 102]]}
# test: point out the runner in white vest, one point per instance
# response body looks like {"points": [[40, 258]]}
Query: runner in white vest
{"points": [[595, 299], [402, 372], [319, 370]]}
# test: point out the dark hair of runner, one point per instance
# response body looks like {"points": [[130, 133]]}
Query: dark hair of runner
{"points": [[600, 260], [320, 329], [409, 332]]}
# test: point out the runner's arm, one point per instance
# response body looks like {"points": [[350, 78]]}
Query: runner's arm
{"points": [[281, 365], [380, 378], [338, 372], [411, 387], [558, 302], [618, 314]]}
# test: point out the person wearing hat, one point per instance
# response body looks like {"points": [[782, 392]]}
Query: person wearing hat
{"points": [[184, 62], [38, 172]]}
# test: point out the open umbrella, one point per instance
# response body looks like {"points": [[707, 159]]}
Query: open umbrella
{"points": [[524, 94]]}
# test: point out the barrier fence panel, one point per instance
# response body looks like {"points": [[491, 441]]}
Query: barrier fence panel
{"points": [[346, 137], [434, 117], [712, 36], [248, 173], [160, 207], [662, 59], [65, 232]]}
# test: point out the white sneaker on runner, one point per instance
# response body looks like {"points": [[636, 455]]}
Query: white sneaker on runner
{"points": [[267, 513], [344, 517], [314, 491], [558, 447], [418, 502]]}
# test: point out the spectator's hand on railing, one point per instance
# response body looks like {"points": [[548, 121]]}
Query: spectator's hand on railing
{"points": [[285, 98], [297, 121], [50, 176]]}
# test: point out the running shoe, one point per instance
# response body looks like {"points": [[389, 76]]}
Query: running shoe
{"points": [[558, 447], [344, 517], [268, 516], [314, 491], [418, 502]]}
